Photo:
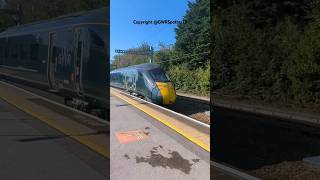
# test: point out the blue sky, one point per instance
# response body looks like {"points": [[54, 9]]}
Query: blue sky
{"points": [[124, 34]]}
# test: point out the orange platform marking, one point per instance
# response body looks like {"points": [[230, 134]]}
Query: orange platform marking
{"points": [[131, 136]]}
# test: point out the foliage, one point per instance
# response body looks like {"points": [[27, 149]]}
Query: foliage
{"points": [[164, 56], [35, 10], [191, 81], [192, 37], [124, 60], [185, 62], [279, 61]]}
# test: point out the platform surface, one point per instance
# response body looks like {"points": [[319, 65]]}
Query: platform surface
{"points": [[156, 151], [220, 175], [78, 126], [195, 132], [30, 149], [230, 174]]}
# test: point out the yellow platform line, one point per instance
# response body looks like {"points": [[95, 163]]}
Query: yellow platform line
{"points": [[93, 146], [186, 135]]}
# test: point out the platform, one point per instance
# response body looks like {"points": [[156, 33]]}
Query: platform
{"points": [[223, 172], [221, 175], [144, 148], [32, 150], [40, 140], [193, 130]]}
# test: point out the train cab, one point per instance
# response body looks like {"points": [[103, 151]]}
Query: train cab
{"points": [[165, 90], [146, 80]]}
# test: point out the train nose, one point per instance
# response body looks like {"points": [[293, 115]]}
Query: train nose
{"points": [[167, 91]]}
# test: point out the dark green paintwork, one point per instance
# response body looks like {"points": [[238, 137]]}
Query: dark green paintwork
{"points": [[137, 79]]}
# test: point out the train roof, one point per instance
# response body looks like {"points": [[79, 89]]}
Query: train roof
{"points": [[97, 16], [146, 66]]}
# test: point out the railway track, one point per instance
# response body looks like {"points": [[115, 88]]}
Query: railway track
{"points": [[266, 146], [196, 131], [194, 126], [194, 108], [197, 109]]}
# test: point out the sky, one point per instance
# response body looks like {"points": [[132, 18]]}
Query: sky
{"points": [[124, 34]]}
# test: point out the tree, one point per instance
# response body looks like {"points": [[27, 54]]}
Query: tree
{"points": [[35, 10], [124, 60], [267, 54], [165, 56], [193, 36]]}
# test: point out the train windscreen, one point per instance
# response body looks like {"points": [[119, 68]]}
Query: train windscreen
{"points": [[158, 75]]}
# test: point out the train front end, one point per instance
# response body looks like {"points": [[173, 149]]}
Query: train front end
{"points": [[164, 93]]}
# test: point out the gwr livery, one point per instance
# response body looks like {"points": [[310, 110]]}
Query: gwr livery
{"points": [[146, 80], [67, 55]]}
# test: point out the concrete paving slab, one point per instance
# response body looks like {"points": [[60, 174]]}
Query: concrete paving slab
{"points": [[32, 150], [77, 125], [186, 128], [160, 156]]}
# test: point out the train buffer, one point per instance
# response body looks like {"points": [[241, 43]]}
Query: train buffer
{"points": [[142, 147], [46, 141]]}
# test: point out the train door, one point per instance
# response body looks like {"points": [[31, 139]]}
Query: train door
{"points": [[79, 48], [52, 61], [140, 84]]}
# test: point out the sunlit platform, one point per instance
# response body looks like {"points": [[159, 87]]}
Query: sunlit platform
{"points": [[143, 148]]}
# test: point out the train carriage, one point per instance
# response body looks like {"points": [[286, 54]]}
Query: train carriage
{"points": [[146, 80], [67, 55]]}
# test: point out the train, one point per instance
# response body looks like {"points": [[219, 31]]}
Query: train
{"points": [[148, 81], [67, 55]]}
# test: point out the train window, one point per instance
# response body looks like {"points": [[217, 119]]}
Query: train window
{"points": [[34, 52], [143, 81], [140, 77], [158, 75], [113, 77]]}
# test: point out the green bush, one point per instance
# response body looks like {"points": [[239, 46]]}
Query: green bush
{"points": [[190, 81], [273, 63]]}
